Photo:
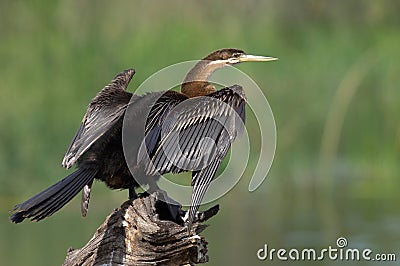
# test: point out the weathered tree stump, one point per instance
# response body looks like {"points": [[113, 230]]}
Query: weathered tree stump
{"points": [[134, 235]]}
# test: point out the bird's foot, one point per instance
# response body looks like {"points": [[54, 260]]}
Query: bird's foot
{"points": [[200, 216], [132, 194], [168, 208], [171, 210]]}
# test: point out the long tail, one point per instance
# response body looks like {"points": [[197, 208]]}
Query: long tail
{"points": [[53, 198]]}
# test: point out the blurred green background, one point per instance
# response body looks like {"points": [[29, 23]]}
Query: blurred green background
{"points": [[334, 93]]}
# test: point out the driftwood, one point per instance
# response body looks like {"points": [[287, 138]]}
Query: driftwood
{"points": [[134, 235]]}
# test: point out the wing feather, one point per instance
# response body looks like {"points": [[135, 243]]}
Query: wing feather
{"points": [[195, 135], [187, 125], [103, 112]]}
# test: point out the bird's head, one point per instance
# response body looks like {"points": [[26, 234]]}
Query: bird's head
{"points": [[196, 81], [231, 56]]}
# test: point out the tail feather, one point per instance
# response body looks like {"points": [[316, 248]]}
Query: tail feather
{"points": [[57, 201], [53, 198]]}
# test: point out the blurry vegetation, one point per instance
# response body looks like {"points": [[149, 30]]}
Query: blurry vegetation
{"points": [[338, 60]]}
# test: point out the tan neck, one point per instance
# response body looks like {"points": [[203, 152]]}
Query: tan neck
{"points": [[196, 81]]}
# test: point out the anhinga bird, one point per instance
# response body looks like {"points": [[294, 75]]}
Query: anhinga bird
{"points": [[175, 131]]}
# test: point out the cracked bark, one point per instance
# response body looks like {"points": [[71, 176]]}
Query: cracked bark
{"points": [[134, 235]]}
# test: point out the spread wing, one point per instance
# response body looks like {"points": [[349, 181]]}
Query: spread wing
{"points": [[196, 136], [156, 118], [95, 124], [103, 112]]}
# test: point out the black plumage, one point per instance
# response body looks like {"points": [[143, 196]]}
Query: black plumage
{"points": [[97, 150], [188, 131], [197, 137]]}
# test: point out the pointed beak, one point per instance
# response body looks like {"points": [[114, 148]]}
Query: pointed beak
{"points": [[255, 58]]}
